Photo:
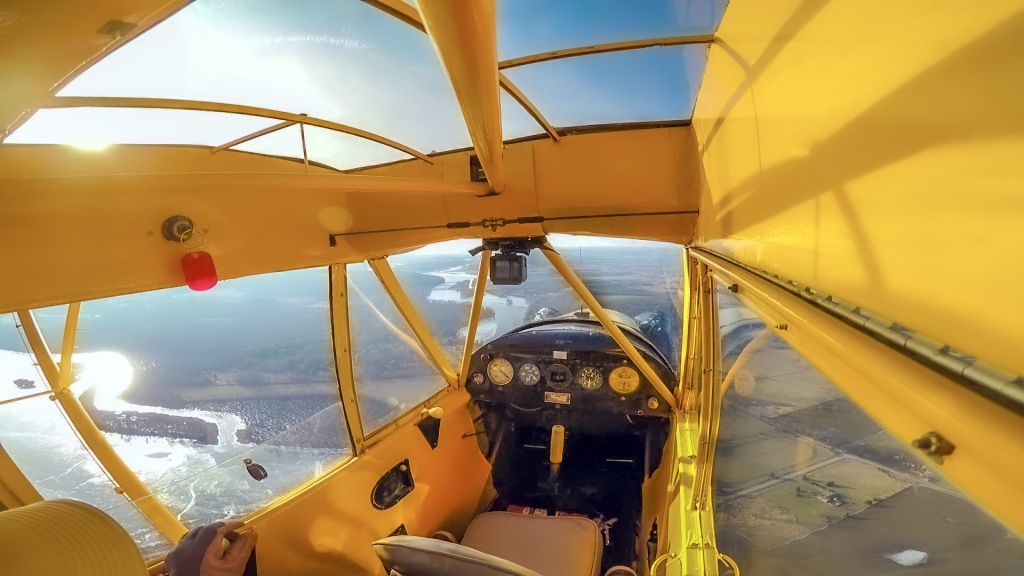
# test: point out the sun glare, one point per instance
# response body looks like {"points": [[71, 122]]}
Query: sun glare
{"points": [[109, 373]]}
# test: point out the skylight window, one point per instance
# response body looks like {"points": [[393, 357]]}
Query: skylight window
{"points": [[533, 26], [342, 60], [631, 86]]}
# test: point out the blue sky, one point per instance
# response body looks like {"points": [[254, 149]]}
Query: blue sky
{"points": [[346, 61]]}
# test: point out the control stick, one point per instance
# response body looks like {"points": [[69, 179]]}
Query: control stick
{"points": [[556, 450]]}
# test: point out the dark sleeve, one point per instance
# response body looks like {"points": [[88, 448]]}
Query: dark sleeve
{"points": [[187, 557]]}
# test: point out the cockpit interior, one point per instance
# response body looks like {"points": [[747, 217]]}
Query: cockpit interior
{"points": [[511, 287]]}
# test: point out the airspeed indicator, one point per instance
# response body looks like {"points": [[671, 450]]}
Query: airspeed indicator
{"points": [[500, 371]]}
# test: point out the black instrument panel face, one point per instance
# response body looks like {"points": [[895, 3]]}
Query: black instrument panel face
{"points": [[566, 369]]}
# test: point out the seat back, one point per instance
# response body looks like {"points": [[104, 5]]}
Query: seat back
{"points": [[417, 556], [65, 537]]}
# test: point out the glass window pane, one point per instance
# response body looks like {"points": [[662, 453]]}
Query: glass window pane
{"points": [[533, 26], [392, 373], [633, 86], [189, 384], [19, 374], [98, 127], [804, 478], [544, 295], [440, 279], [341, 60], [41, 442], [516, 122], [334, 149], [637, 278], [51, 322]]}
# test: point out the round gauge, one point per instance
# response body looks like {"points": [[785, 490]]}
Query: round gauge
{"points": [[624, 380], [500, 371], [590, 378], [559, 376], [529, 374]]}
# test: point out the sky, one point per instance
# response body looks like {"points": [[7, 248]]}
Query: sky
{"points": [[345, 61]]}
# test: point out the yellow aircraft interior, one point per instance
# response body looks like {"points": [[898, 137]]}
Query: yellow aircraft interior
{"points": [[587, 288]]}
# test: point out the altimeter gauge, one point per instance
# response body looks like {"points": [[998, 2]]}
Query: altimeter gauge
{"points": [[529, 374], [590, 378], [500, 371], [624, 380]]}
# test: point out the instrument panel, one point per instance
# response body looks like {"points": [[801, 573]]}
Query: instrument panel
{"points": [[567, 366]]}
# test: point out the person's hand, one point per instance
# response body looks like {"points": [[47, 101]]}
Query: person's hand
{"points": [[213, 550]]}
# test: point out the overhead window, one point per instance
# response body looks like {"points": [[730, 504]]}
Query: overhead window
{"points": [[328, 147], [532, 26], [392, 372], [515, 121], [652, 84], [188, 386], [342, 60], [804, 478], [99, 127]]}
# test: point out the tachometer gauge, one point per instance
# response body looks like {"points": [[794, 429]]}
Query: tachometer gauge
{"points": [[590, 378], [529, 374], [624, 380], [500, 371]]}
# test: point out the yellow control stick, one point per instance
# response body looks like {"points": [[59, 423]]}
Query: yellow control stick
{"points": [[557, 444]]}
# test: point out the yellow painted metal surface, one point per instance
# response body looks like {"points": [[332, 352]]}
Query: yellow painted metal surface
{"points": [[466, 39], [327, 527], [108, 238], [872, 150], [474, 315], [903, 396], [341, 332]]}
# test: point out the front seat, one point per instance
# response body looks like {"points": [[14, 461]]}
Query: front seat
{"points": [[501, 544], [66, 537]]}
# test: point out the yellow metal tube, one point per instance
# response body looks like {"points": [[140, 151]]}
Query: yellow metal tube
{"points": [[904, 396], [474, 315], [343, 356], [606, 321], [466, 39], [408, 311], [127, 482]]}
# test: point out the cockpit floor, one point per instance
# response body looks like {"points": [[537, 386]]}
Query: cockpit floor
{"points": [[600, 477]]}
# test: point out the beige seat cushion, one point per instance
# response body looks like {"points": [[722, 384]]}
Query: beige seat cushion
{"points": [[418, 556], [65, 537], [549, 545]]}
